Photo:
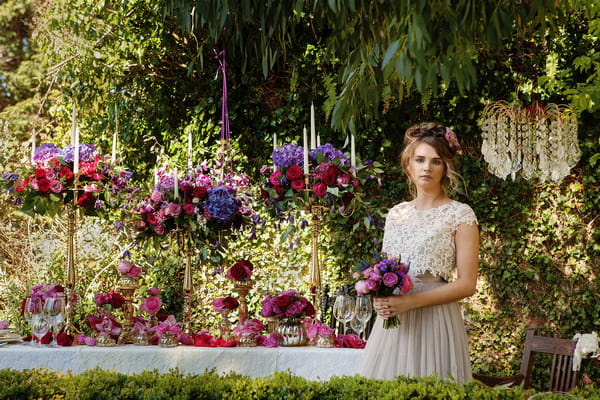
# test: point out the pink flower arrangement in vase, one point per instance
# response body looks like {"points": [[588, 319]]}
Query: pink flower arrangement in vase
{"points": [[247, 331], [168, 331], [288, 304]]}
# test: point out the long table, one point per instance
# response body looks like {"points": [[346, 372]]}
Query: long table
{"points": [[309, 362]]}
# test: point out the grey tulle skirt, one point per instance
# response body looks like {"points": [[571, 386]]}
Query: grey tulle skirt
{"points": [[429, 341]]}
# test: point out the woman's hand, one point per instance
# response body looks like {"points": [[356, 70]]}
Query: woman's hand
{"points": [[387, 307]]}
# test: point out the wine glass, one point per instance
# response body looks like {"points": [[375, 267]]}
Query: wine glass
{"points": [[356, 325], [363, 310], [343, 309], [37, 319], [55, 310]]}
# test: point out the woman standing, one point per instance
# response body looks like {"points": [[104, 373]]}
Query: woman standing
{"points": [[436, 236]]}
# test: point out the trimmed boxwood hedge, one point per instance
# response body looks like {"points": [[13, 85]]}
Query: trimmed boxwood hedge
{"points": [[41, 384]]}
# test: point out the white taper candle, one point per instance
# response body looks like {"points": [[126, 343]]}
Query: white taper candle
{"points": [[352, 152], [176, 185], [305, 152], [313, 132]]}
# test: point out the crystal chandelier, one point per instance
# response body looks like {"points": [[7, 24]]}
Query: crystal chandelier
{"points": [[537, 141]]}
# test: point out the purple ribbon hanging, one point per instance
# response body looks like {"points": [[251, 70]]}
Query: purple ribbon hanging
{"points": [[225, 132]]}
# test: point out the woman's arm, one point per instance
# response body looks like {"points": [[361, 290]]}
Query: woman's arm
{"points": [[467, 261]]}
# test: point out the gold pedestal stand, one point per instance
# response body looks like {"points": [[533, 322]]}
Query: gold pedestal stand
{"points": [[242, 288], [127, 287]]}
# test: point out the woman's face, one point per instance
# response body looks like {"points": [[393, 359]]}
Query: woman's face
{"points": [[426, 168]]}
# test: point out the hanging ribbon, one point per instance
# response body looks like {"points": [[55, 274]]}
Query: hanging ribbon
{"points": [[225, 132]]}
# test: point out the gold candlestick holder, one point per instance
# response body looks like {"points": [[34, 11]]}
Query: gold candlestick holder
{"points": [[242, 288], [187, 293], [127, 287], [316, 212], [70, 272]]}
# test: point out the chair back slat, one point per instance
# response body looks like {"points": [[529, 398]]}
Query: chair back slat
{"points": [[561, 377]]}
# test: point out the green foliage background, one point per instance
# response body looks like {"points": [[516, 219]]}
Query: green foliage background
{"points": [[136, 68]]}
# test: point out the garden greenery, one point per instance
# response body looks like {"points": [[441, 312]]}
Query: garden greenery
{"points": [[130, 68]]}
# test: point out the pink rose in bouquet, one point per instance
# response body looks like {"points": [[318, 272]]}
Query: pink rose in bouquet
{"points": [[288, 304], [387, 276], [240, 271]]}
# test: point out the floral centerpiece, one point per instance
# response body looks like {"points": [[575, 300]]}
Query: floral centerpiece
{"points": [[48, 180], [331, 177], [387, 276], [199, 202], [288, 304]]}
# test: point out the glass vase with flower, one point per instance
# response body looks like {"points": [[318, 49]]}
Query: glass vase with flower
{"points": [[247, 331], [289, 307], [224, 306], [240, 273], [168, 332]]}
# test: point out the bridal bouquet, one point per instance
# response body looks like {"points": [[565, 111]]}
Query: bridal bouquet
{"points": [[385, 277]]}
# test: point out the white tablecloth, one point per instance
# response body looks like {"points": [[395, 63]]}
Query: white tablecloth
{"points": [[309, 362]]}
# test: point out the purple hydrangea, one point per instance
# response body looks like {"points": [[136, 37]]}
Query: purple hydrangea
{"points": [[45, 152], [331, 153], [221, 204], [287, 155], [87, 153]]}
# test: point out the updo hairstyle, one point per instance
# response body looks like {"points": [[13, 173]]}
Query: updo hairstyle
{"points": [[443, 140]]}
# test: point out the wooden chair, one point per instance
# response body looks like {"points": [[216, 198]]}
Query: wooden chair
{"points": [[561, 377]]}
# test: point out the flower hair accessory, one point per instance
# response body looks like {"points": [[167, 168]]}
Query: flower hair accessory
{"points": [[451, 138]]}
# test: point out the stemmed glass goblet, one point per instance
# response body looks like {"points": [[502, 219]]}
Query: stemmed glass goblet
{"points": [[363, 310], [36, 317], [343, 309], [55, 309]]}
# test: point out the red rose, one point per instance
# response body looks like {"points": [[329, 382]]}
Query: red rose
{"points": [[309, 310], [329, 174], [44, 185], [294, 172], [282, 301], [240, 271], [264, 194], [298, 185], [320, 189], [353, 342], [46, 339], [64, 339], [200, 192], [40, 173], [66, 173], [116, 300], [279, 191], [22, 185], [230, 303], [86, 199]]}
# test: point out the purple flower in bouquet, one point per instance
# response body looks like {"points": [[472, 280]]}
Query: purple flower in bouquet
{"points": [[221, 205], [287, 155]]}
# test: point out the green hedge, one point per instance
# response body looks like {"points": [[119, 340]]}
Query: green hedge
{"points": [[98, 384]]}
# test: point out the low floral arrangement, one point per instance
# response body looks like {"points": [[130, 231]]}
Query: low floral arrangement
{"points": [[248, 328], [169, 326], [387, 276], [198, 202], [315, 328], [331, 178], [47, 182], [143, 326], [288, 304], [241, 271], [225, 304], [104, 324]]}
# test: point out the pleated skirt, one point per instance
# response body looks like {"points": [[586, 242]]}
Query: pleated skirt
{"points": [[430, 341]]}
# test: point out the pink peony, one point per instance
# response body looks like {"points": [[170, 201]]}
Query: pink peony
{"points": [[390, 279], [361, 287]]}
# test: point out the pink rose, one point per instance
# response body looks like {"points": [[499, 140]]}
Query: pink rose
{"points": [[390, 279], [56, 186], [159, 229], [361, 287], [343, 180], [274, 178], [124, 266], [173, 209], [407, 284], [156, 196], [151, 305], [153, 292], [320, 189], [372, 285]]}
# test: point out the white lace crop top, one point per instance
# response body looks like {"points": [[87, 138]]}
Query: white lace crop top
{"points": [[424, 239]]}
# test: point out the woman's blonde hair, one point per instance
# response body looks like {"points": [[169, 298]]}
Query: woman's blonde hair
{"points": [[443, 140]]}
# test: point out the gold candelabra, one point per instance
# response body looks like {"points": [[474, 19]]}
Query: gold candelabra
{"points": [[70, 272], [316, 212], [127, 287], [187, 292]]}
